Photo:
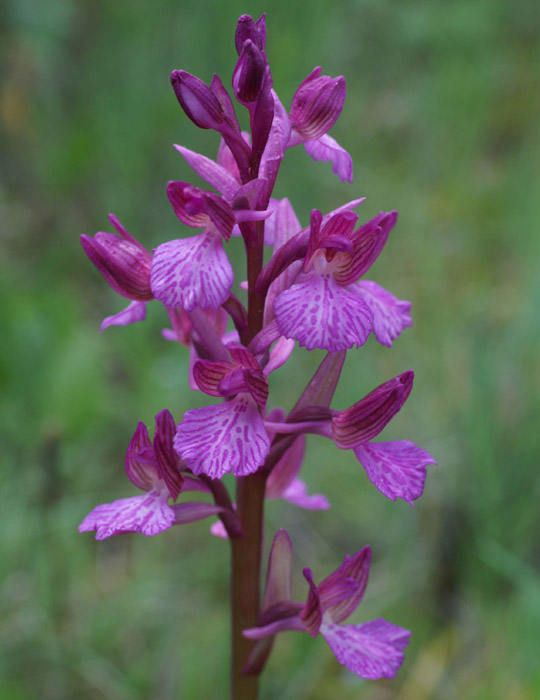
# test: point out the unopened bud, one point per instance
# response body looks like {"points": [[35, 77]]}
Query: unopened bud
{"points": [[197, 100]]}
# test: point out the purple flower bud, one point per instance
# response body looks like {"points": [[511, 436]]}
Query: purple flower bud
{"points": [[123, 262], [247, 28], [249, 74], [197, 100], [317, 104]]}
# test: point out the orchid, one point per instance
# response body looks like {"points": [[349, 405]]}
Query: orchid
{"points": [[310, 292], [371, 650]]}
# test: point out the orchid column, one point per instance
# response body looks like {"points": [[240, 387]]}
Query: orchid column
{"points": [[312, 291]]}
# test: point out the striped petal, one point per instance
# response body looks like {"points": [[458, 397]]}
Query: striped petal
{"points": [[148, 514], [397, 469], [192, 272], [328, 149], [219, 439], [390, 314], [320, 314], [372, 650]]}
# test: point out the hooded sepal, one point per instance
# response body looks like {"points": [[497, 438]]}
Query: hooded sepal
{"points": [[123, 261], [365, 420], [317, 104]]}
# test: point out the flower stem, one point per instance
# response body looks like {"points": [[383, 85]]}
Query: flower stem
{"points": [[247, 549], [245, 581]]}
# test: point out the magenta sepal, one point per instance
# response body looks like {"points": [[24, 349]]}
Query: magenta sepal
{"points": [[228, 437], [371, 650], [368, 242], [136, 311], [168, 462], [365, 420], [276, 144], [193, 511], [317, 104], [200, 209], [242, 375], [216, 175], [123, 261]]}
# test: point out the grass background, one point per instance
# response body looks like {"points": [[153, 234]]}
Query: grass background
{"points": [[441, 121]]}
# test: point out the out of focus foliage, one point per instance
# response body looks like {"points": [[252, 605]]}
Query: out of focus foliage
{"points": [[441, 121]]}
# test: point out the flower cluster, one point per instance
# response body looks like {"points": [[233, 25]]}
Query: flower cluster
{"points": [[311, 291]]}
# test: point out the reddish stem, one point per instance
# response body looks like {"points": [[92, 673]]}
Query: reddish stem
{"points": [[247, 550]]}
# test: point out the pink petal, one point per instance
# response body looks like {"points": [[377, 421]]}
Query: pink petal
{"points": [[209, 170], [136, 311], [192, 272], [328, 149], [228, 437], [397, 469], [320, 314], [147, 514], [296, 493], [390, 314], [372, 650]]}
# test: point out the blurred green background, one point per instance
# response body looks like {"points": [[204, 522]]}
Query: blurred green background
{"points": [[441, 122]]}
